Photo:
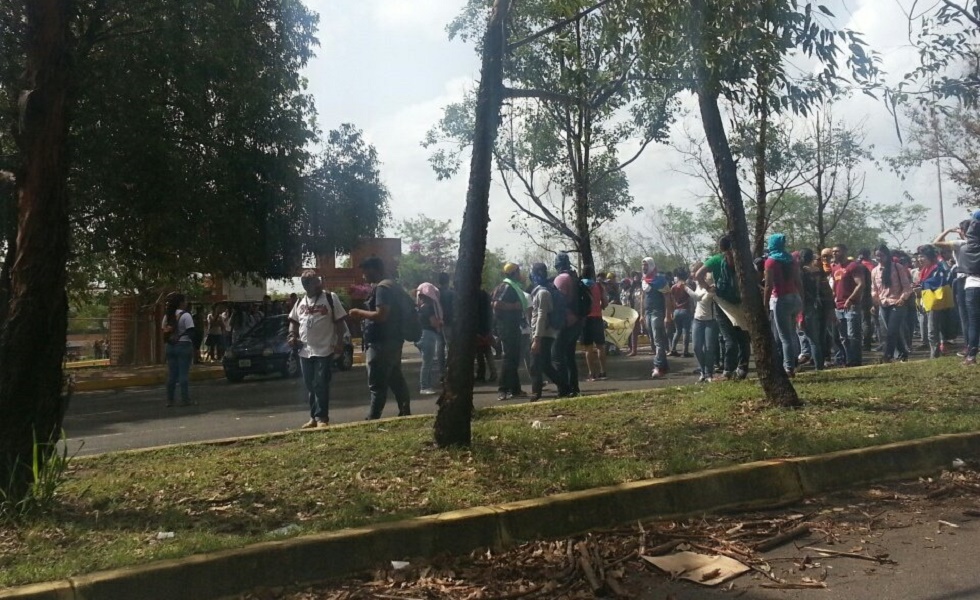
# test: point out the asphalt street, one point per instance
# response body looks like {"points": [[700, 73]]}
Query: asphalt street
{"points": [[99, 422]]}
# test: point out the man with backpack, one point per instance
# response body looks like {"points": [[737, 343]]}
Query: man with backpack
{"points": [[389, 321], [547, 318], [316, 327], [509, 309], [578, 303]]}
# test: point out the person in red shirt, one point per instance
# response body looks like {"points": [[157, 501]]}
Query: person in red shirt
{"points": [[683, 315], [594, 334], [849, 291]]}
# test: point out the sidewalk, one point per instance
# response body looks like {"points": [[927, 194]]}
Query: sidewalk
{"points": [[113, 378]]}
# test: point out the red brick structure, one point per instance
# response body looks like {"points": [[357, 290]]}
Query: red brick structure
{"points": [[337, 278], [134, 337]]}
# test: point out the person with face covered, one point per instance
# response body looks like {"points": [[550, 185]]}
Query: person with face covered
{"points": [[509, 308], [658, 309], [317, 324], [543, 332]]}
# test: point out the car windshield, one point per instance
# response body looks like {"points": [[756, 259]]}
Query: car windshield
{"points": [[265, 329]]}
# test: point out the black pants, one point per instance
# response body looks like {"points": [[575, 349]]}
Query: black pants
{"points": [[541, 366], [510, 339], [566, 346], [737, 344]]}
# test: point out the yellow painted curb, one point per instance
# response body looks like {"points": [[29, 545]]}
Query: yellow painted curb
{"points": [[95, 385], [325, 555]]}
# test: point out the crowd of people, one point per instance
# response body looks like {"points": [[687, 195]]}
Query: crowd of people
{"points": [[827, 308]]}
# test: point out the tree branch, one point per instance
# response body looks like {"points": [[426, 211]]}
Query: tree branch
{"points": [[541, 95], [962, 11], [560, 24]]}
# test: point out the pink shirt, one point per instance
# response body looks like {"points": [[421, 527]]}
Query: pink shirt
{"points": [[900, 288]]}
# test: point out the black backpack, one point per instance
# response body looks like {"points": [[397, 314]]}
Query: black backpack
{"points": [[584, 305], [408, 323]]}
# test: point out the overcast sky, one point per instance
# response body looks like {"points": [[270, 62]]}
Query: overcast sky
{"points": [[388, 67]]}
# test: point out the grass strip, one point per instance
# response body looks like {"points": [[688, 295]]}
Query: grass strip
{"points": [[111, 508]]}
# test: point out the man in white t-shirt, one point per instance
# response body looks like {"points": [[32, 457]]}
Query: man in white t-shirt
{"points": [[317, 325]]}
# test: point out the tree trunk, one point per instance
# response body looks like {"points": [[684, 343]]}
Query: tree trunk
{"points": [[777, 386], [32, 342], [584, 242], [761, 193], [452, 427]]}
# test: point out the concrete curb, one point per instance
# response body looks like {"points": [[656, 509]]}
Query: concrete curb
{"points": [[326, 555], [211, 374]]}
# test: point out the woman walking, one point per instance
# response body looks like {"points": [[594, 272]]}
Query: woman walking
{"points": [[782, 280], [933, 275], [430, 318], [178, 331], [891, 287]]}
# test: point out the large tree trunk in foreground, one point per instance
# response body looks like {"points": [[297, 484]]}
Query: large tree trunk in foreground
{"points": [[32, 341], [777, 386], [452, 426]]}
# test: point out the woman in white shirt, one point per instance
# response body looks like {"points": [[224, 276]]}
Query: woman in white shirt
{"points": [[705, 328], [178, 332]]}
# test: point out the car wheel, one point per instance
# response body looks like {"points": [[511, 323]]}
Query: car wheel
{"points": [[346, 360], [292, 368], [234, 377]]}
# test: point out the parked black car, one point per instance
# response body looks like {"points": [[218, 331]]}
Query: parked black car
{"points": [[263, 349]]}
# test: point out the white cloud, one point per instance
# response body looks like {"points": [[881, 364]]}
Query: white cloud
{"points": [[387, 66], [422, 17]]}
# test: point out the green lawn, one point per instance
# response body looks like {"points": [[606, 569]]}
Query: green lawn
{"points": [[214, 497]]}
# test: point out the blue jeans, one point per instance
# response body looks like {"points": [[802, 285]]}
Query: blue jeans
{"points": [[894, 318], [705, 335], [816, 326], [658, 338], [428, 346], [384, 370], [972, 301], [317, 372], [682, 328], [849, 331], [788, 308], [179, 357]]}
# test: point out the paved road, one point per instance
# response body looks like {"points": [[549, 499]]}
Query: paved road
{"points": [[100, 422]]}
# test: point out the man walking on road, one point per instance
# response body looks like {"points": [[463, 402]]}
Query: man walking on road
{"points": [[509, 308], [543, 330], [316, 327], [383, 339], [849, 292], [566, 343]]}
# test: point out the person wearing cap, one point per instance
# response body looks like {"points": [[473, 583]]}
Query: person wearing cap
{"points": [[542, 333], [317, 325], [566, 342], [382, 336], [509, 308]]}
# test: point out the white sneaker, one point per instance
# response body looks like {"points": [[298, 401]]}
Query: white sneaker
{"points": [[428, 392]]}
